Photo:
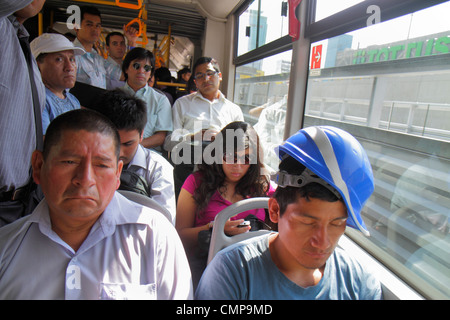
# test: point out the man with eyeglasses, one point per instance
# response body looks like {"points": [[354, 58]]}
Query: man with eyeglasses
{"points": [[138, 66], [205, 110]]}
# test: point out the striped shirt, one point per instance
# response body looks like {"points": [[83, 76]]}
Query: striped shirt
{"points": [[17, 123]]}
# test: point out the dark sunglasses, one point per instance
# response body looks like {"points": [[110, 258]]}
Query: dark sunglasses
{"points": [[137, 66], [236, 159]]}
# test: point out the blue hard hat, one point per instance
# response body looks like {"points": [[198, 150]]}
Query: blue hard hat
{"points": [[339, 159]]}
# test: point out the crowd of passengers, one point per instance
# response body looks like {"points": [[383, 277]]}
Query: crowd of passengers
{"points": [[62, 218]]}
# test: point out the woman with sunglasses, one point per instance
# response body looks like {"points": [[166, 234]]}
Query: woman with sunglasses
{"points": [[234, 176], [138, 66]]}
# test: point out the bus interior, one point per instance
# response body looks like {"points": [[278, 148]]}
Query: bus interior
{"points": [[378, 69]]}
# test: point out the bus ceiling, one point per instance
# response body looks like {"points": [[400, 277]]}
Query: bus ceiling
{"points": [[186, 18]]}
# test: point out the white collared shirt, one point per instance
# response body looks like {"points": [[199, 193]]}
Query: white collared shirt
{"points": [[158, 173], [193, 112], [131, 252]]}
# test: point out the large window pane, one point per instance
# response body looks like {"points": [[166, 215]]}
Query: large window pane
{"points": [[388, 85], [274, 22], [248, 28], [262, 22], [326, 8], [261, 89]]}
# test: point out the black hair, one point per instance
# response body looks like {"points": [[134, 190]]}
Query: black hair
{"points": [[114, 33], [163, 74], [204, 60], [90, 10], [137, 53], [252, 184], [288, 195], [182, 71], [80, 119], [124, 110]]}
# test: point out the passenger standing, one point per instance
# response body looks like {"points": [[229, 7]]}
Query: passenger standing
{"points": [[92, 68], [20, 110], [85, 240], [137, 67], [55, 56], [116, 47]]}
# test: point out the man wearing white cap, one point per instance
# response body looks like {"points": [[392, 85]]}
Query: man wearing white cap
{"points": [[55, 56]]}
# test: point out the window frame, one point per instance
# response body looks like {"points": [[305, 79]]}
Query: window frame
{"points": [[343, 22], [269, 49], [347, 20]]}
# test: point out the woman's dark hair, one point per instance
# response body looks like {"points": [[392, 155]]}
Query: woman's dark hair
{"points": [[252, 184], [288, 195], [137, 54]]}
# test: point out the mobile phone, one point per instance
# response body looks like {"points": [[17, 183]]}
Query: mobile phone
{"points": [[244, 224]]}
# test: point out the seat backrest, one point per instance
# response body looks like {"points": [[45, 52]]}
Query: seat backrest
{"points": [[146, 201], [219, 239]]}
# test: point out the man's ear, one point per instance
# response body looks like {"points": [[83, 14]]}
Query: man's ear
{"points": [[118, 173], [274, 210], [37, 161]]}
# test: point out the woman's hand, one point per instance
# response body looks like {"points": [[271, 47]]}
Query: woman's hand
{"points": [[232, 227]]}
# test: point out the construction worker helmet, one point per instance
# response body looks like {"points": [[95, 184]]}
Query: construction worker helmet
{"points": [[337, 158]]}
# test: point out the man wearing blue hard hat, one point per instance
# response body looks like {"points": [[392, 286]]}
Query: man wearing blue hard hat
{"points": [[324, 179]]}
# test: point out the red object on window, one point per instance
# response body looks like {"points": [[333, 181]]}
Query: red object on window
{"points": [[316, 57], [294, 23]]}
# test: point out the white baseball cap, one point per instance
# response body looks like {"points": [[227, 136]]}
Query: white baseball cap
{"points": [[53, 42]]}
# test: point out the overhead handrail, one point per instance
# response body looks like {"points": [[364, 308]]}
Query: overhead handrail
{"points": [[129, 5]]}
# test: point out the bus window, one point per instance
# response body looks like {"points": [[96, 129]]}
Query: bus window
{"points": [[261, 89], [254, 22], [326, 8], [387, 84]]}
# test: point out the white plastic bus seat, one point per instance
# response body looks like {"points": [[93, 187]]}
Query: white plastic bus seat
{"points": [[219, 239], [146, 201]]}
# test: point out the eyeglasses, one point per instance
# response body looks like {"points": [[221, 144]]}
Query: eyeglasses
{"points": [[234, 158], [201, 76], [137, 66]]}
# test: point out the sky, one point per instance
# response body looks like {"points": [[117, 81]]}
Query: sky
{"points": [[429, 21], [421, 23]]}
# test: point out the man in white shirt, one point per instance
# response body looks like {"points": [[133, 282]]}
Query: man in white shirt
{"points": [[206, 110], [129, 115], [84, 240]]}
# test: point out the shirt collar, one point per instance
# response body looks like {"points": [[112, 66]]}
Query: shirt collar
{"points": [[18, 27], [119, 211], [78, 44], [142, 91], [221, 97], [139, 158]]}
